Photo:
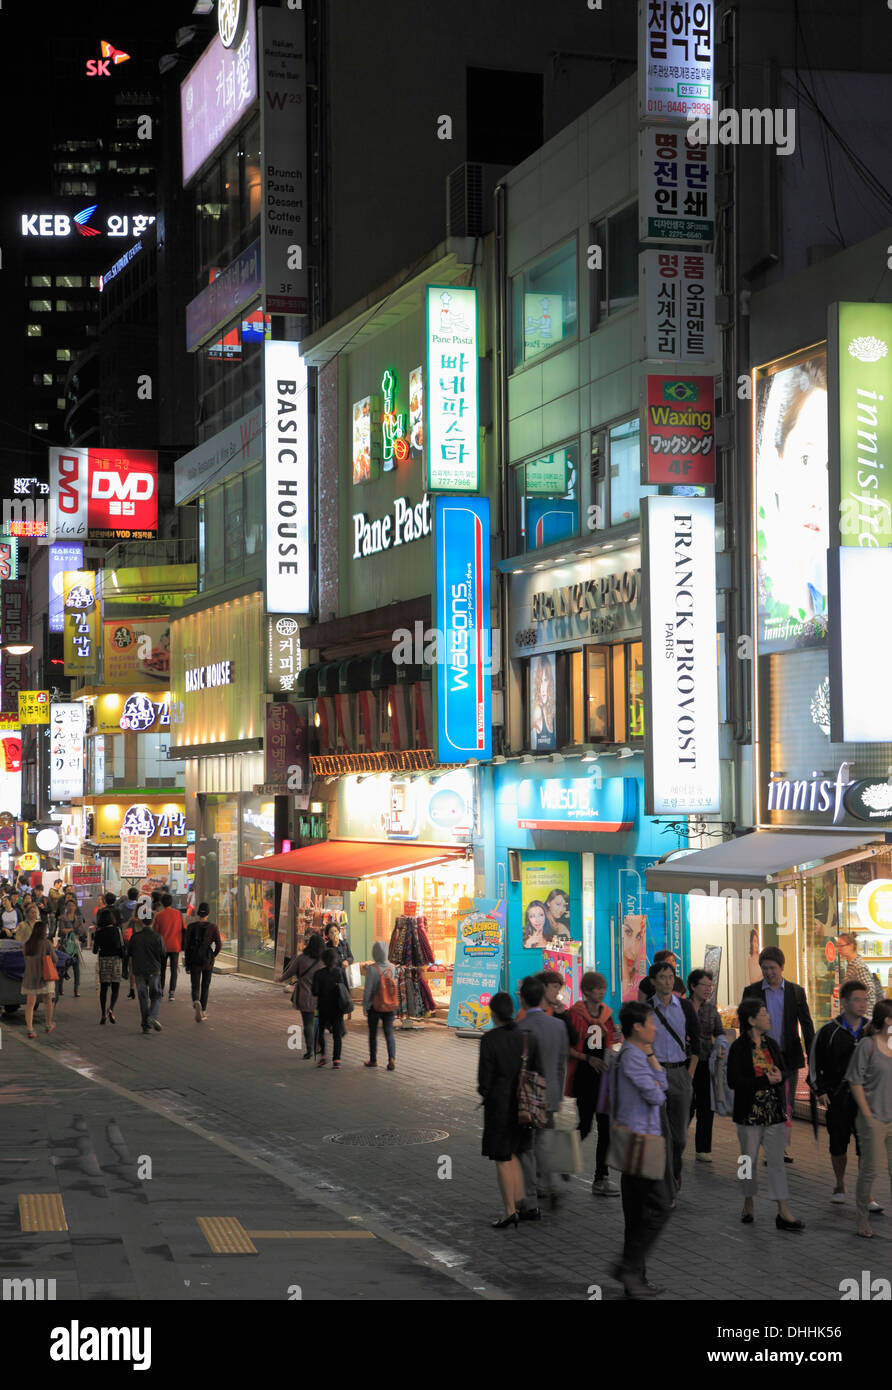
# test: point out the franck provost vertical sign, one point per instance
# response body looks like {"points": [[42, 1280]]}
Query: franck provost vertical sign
{"points": [[287, 479], [681, 754], [453, 463], [463, 687]]}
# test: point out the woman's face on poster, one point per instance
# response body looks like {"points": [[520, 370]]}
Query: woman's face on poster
{"points": [[558, 908], [543, 685], [632, 935], [536, 918]]}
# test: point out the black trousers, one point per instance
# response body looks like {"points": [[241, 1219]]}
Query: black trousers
{"points": [[701, 1106], [585, 1104], [387, 1025], [171, 958], [201, 983], [646, 1207], [332, 1023]]}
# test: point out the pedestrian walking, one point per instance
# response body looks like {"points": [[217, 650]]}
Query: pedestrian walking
{"points": [[639, 1148], [700, 990], [330, 988], [302, 968], [594, 1031], [857, 967], [551, 1037], [109, 947], [870, 1077], [677, 1049], [788, 1010], [145, 951], [203, 945], [171, 927], [126, 906], [37, 949], [67, 938], [380, 1002], [498, 1077], [831, 1053], [755, 1075]]}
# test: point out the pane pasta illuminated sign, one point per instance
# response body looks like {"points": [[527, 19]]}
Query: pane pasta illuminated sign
{"points": [[452, 402]]}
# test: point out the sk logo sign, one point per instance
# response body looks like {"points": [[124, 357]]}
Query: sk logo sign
{"points": [[100, 67]]}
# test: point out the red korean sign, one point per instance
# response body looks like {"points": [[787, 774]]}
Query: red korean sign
{"points": [[102, 494], [12, 629], [678, 435]]}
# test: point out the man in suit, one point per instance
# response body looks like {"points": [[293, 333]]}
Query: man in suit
{"points": [[788, 1010], [553, 1044]]}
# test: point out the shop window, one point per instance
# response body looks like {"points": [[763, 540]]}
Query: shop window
{"points": [[576, 710], [545, 499], [635, 689], [626, 489], [255, 510], [597, 701], [594, 695], [213, 539], [233, 526], [544, 304], [615, 285]]}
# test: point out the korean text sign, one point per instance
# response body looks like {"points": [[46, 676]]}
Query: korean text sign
{"points": [[678, 297], [452, 400], [34, 707], [67, 728], [12, 613], [676, 187], [81, 634], [103, 493], [675, 66], [479, 949], [464, 665], [678, 435], [216, 94]]}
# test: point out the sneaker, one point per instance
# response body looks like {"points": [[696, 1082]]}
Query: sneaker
{"points": [[171, 998], [391, 1066], [704, 1158], [203, 1016], [370, 1064], [838, 1197], [335, 1064], [321, 1062], [146, 1028], [874, 1206], [197, 1007], [603, 1187], [156, 1025]]}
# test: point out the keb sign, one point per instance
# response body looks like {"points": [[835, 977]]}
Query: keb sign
{"points": [[464, 665], [98, 493]]}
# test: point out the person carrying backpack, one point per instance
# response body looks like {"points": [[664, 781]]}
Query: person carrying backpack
{"points": [[203, 945], [380, 1001]]}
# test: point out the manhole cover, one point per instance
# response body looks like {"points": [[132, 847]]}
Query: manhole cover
{"points": [[387, 1138]]}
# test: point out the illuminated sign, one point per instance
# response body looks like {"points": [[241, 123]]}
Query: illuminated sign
{"points": [[119, 265], [209, 677], [577, 803], [874, 905], [111, 57], [283, 655], [677, 294], [61, 558], [859, 371], [393, 426], [85, 222], [416, 412], [363, 470], [67, 729], [678, 432], [12, 624], [286, 462], [860, 659], [216, 93], [452, 413], [464, 667], [676, 56], [681, 668], [10, 767], [408, 523], [100, 493], [232, 16], [676, 187], [9, 559], [34, 707], [135, 650], [81, 627], [229, 291], [810, 794], [141, 712], [869, 799], [159, 823]]}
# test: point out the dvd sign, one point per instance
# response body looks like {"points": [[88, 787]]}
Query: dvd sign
{"points": [[98, 493]]}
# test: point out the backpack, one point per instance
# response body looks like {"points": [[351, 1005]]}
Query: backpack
{"points": [[721, 1094], [201, 953], [385, 999]]}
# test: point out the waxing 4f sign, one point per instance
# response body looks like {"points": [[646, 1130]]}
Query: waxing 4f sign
{"points": [[464, 667], [98, 493]]}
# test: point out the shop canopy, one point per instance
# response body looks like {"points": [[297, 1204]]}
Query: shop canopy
{"points": [[341, 864], [759, 860]]}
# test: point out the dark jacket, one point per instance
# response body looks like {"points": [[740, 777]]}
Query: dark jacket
{"points": [[207, 934], [796, 1015], [108, 941], [145, 950], [325, 987], [498, 1073], [304, 969], [343, 950], [829, 1057], [742, 1074]]}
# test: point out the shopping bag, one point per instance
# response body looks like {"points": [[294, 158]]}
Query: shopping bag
{"points": [[354, 975], [567, 1118], [563, 1150]]}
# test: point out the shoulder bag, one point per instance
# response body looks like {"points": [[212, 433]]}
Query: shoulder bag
{"points": [[669, 1029], [48, 968], [638, 1155], [345, 999], [531, 1108]]}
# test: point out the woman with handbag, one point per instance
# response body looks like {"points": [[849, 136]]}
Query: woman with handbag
{"points": [[380, 1001], [638, 1146], [69, 940], [502, 1058], [108, 945], [755, 1075], [301, 969], [330, 989], [40, 975]]}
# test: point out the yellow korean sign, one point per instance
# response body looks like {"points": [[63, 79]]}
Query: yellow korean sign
{"points": [[28, 862], [81, 614], [34, 707]]}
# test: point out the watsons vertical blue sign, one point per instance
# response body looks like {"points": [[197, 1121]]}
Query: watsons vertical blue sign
{"points": [[464, 668]]}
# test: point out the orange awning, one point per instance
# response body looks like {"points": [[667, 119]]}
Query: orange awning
{"points": [[340, 864]]}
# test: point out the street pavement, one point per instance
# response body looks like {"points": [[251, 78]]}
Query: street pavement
{"points": [[230, 1121]]}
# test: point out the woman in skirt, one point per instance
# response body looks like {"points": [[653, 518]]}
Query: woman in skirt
{"points": [[108, 945], [36, 948]]}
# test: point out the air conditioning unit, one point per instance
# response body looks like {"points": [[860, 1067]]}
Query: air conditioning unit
{"points": [[469, 195]]}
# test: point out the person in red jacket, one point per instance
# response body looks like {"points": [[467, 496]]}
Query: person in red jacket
{"points": [[169, 925], [594, 1032]]}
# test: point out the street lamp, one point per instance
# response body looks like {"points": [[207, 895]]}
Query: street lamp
{"points": [[17, 648]]}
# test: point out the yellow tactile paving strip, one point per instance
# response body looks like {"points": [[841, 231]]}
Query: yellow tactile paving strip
{"points": [[42, 1211], [226, 1236]]}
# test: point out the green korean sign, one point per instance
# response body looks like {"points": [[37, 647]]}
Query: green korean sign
{"points": [[860, 359]]}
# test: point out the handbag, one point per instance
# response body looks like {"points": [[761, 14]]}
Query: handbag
{"points": [[48, 968], [637, 1155], [531, 1109], [563, 1150], [345, 999]]}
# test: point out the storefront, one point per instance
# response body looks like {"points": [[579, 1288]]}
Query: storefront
{"points": [[217, 725], [161, 818]]}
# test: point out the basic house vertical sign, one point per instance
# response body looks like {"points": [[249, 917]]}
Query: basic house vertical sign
{"points": [[464, 668], [287, 479]]}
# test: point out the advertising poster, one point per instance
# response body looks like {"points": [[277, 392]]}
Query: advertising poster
{"points": [[678, 434], [416, 413], [792, 501], [542, 703], [545, 899], [134, 856], [136, 650], [634, 954], [568, 964], [479, 949], [362, 441]]}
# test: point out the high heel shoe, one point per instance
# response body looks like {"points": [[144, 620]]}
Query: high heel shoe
{"points": [[783, 1225], [512, 1220], [111, 1017]]}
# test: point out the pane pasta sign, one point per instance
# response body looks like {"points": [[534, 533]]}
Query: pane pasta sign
{"points": [[103, 493], [452, 410]]}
